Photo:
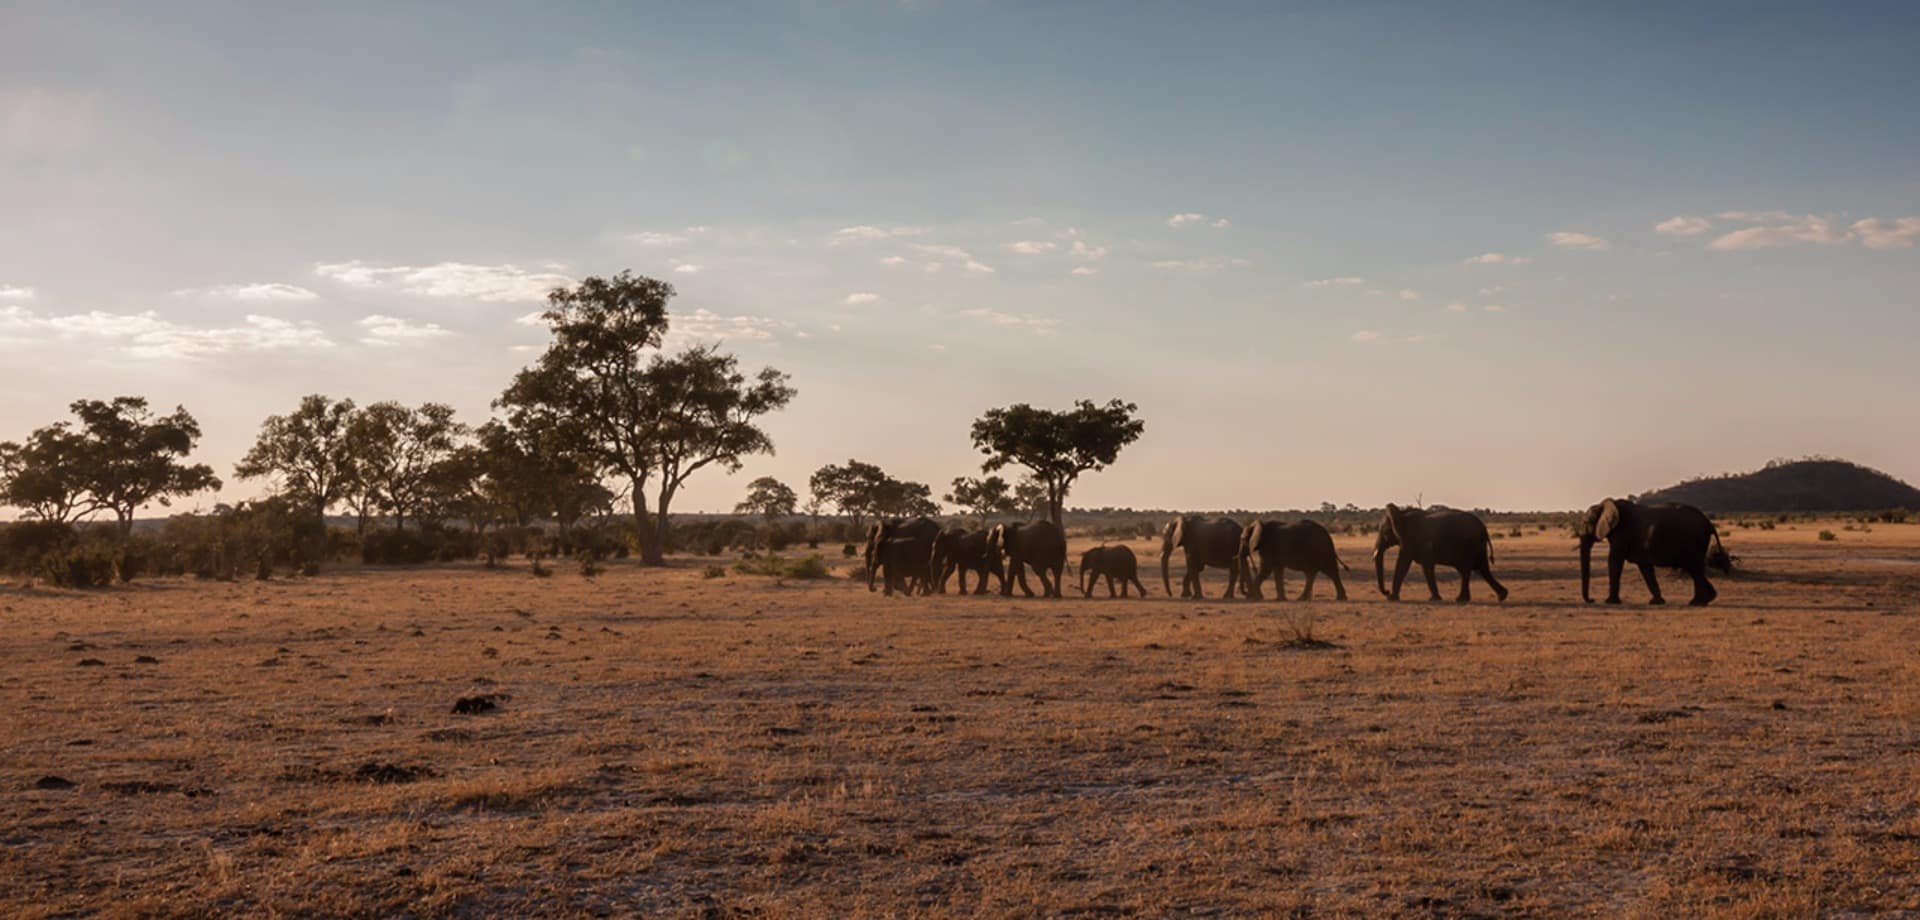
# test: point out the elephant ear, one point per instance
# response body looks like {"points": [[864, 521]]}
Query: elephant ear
{"points": [[1609, 519]]}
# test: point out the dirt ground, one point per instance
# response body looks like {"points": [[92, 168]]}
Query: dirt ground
{"points": [[656, 742]]}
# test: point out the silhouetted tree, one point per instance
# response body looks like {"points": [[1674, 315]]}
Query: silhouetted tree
{"points": [[43, 475], [1056, 446], [770, 498], [128, 457], [394, 450], [983, 497], [860, 490], [307, 450]]}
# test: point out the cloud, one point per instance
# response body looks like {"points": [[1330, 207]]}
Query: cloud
{"points": [[452, 280], [955, 254], [1199, 265], [1085, 270], [1779, 230], [1195, 218], [687, 268], [271, 292], [14, 294], [1456, 307], [392, 330], [1039, 325], [1497, 258], [858, 298], [1342, 281], [1683, 226], [1568, 239], [1032, 247], [705, 325], [1898, 233], [1409, 294], [536, 318], [1083, 250], [1366, 337], [866, 233], [1494, 308], [147, 335], [894, 260], [654, 239]]}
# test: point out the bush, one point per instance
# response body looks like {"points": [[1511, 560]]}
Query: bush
{"points": [[27, 546], [772, 564], [395, 547], [1827, 536], [714, 571]]}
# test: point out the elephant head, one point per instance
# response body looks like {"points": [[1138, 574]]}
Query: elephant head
{"points": [[1601, 521], [1091, 564], [1391, 526], [1175, 535], [999, 537]]}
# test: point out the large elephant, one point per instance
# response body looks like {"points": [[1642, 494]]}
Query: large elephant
{"points": [[898, 552], [1434, 536], [1667, 536], [1302, 545], [1215, 542], [1040, 545], [963, 551], [1113, 563]]}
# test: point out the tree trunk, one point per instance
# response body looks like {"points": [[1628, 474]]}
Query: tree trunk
{"points": [[660, 524], [650, 551]]}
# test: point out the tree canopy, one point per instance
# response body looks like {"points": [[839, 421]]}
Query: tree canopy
{"points": [[120, 458], [1056, 446], [770, 498]]}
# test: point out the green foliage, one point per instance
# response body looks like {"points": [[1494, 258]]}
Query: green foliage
{"points": [[770, 498], [864, 490], [983, 497], [386, 546], [1827, 536], [307, 450], [119, 458], [714, 571], [399, 454], [1056, 446]]}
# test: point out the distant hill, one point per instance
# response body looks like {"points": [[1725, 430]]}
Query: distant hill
{"points": [[1814, 484]]}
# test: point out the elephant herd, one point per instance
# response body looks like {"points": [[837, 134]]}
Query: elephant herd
{"points": [[919, 557]]}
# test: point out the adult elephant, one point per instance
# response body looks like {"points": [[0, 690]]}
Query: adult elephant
{"points": [[959, 550], [1113, 563], [1215, 542], [1434, 536], [1302, 545], [1668, 536], [1039, 544], [897, 553]]}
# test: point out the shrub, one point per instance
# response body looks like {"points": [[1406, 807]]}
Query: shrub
{"points": [[395, 547], [714, 571], [772, 564], [1827, 536], [27, 546], [809, 566]]}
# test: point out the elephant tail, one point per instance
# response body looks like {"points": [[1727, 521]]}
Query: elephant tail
{"points": [[1489, 552], [1342, 563], [1718, 557]]}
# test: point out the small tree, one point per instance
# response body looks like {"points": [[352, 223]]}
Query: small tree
{"points": [[770, 498], [1030, 498], [43, 476], [395, 451], [849, 488], [904, 498], [982, 498], [1056, 446], [307, 450]]}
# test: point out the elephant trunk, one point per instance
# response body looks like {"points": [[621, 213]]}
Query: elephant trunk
{"points": [[1586, 569], [1166, 560]]}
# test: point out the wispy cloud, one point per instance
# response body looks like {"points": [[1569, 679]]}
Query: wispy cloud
{"points": [[1366, 337], [270, 292], [1197, 219], [1498, 258], [1083, 250], [859, 298], [686, 268], [1409, 294], [894, 260], [15, 294], [867, 233], [1341, 281], [148, 335], [1683, 226], [1199, 265], [450, 280], [661, 239], [1032, 247], [951, 254], [1084, 270], [1899, 233], [1039, 325], [386, 331], [1778, 230], [705, 325], [1569, 239]]}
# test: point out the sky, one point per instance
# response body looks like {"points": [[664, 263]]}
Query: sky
{"points": [[1507, 255]]}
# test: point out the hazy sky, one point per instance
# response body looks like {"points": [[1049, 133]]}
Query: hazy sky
{"points": [[1502, 254]]}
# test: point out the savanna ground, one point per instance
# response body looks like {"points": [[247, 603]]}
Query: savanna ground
{"points": [[668, 744]]}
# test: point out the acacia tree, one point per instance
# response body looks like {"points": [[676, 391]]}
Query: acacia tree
{"points": [[860, 489], [308, 450], [395, 449], [42, 476], [632, 415], [1056, 446], [130, 457], [983, 498], [770, 498], [1030, 498]]}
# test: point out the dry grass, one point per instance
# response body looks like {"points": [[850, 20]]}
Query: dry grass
{"points": [[672, 744]]}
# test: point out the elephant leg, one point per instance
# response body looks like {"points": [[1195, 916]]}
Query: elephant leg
{"points": [[1433, 587], [1466, 585], [1254, 579], [1703, 592], [1486, 571], [1280, 581], [1306, 591], [1006, 580], [1339, 590], [1024, 587], [1616, 564], [1193, 578], [1400, 568], [1110, 589], [1653, 583]]}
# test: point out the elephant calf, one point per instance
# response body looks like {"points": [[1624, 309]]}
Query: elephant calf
{"points": [[1112, 563], [1302, 545]]}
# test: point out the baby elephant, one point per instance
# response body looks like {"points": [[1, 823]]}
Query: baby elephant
{"points": [[1111, 563]]}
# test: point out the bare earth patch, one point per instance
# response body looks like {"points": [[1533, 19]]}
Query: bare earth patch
{"points": [[656, 742]]}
